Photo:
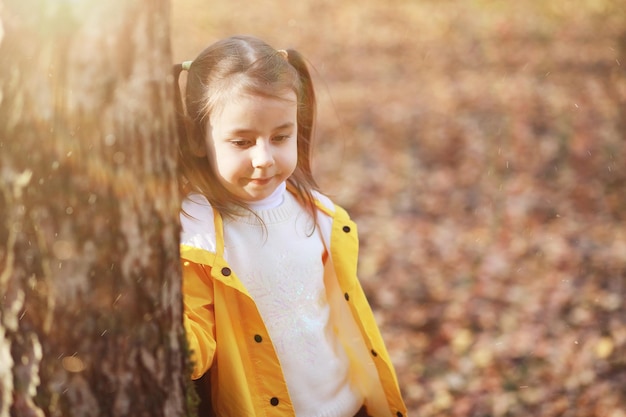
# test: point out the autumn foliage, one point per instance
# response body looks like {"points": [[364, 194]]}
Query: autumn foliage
{"points": [[480, 147]]}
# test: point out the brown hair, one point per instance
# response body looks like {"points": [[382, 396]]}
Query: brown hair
{"points": [[252, 65]]}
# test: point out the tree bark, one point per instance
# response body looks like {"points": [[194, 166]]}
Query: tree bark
{"points": [[90, 314]]}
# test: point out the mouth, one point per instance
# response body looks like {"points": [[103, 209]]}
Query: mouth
{"points": [[260, 181]]}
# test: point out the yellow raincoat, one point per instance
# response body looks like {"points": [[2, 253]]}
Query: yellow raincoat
{"points": [[228, 338]]}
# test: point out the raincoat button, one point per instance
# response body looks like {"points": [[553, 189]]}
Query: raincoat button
{"points": [[274, 401], [374, 353], [258, 338], [226, 271], [346, 296], [346, 229]]}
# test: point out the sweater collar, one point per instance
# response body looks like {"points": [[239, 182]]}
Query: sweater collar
{"points": [[276, 208], [272, 201]]}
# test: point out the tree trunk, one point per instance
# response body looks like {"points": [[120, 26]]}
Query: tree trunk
{"points": [[90, 314]]}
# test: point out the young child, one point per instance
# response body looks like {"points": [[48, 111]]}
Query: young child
{"points": [[276, 319]]}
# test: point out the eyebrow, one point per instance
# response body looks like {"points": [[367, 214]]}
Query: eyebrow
{"points": [[244, 131]]}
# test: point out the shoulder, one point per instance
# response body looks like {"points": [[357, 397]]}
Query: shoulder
{"points": [[328, 207], [324, 203], [197, 223], [332, 217]]}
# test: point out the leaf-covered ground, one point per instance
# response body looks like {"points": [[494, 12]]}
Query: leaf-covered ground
{"points": [[480, 146]]}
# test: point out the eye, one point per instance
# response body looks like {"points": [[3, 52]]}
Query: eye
{"points": [[240, 143], [281, 138]]}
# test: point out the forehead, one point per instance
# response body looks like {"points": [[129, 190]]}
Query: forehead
{"points": [[221, 92], [244, 110]]}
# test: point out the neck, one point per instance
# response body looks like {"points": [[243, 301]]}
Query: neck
{"points": [[272, 201]]}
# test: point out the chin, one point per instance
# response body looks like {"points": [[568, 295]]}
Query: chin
{"points": [[254, 197]]}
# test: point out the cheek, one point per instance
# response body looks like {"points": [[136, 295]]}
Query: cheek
{"points": [[215, 157], [229, 164], [293, 154]]}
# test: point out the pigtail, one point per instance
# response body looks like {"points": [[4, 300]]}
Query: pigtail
{"points": [[178, 103], [307, 108], [179, 119]]}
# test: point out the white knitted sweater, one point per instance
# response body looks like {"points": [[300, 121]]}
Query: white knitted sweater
{"points": [[280, 261]]}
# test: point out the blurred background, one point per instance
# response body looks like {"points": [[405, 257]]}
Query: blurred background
{"points": [[480, 147]]}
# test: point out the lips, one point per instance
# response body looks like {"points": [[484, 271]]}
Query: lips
{"points": [[260, 181]]}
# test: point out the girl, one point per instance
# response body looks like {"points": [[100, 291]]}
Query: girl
{"points": [[276, 319]]}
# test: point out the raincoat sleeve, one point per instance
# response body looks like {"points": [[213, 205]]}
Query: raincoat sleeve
{"points": [[199, 316]]}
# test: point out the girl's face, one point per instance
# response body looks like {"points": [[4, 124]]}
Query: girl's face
{"points": [[252, 141]]}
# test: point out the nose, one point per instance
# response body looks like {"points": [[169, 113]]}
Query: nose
{"points": [[262, 156]]}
